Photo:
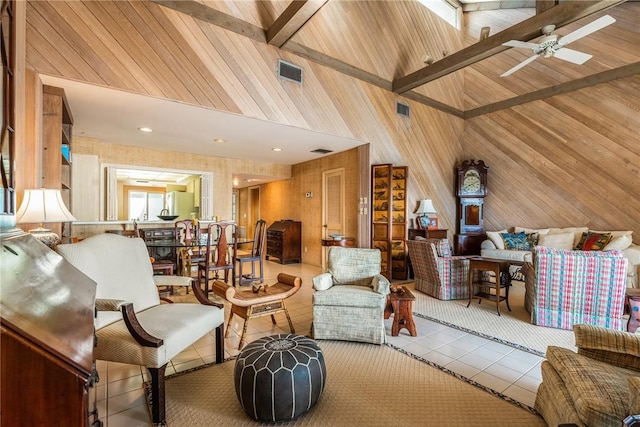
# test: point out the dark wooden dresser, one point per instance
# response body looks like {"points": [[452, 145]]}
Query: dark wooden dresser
{"points": [[47, 337], [284, 241]]}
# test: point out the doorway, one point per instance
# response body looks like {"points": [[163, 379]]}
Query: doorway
{"points": [[333, 206], [253, 214]]}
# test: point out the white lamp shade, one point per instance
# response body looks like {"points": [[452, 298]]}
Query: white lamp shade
{"points": [[43, 205], [426, 208]]}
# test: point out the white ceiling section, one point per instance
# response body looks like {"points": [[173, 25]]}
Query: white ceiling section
{"points": [[115, 116]]}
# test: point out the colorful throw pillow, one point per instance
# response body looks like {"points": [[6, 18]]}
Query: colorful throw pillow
{"points": [[516, 241], [593, 241], [532, 238]]}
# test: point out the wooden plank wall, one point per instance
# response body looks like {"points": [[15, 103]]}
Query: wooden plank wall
{"points": [[569, 160], [148, 49]]}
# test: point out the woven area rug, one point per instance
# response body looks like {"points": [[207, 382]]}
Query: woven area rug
{"points": [[367, 385], [511, 327]]}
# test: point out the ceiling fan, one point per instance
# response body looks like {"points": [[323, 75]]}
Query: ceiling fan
{"points": [[551, 45]]}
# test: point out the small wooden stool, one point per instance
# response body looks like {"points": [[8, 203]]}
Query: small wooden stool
{"points": [[266, 301], [400, 303]]}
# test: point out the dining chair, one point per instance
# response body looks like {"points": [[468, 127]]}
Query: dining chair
{"points": [[187, 231], [221, 253], [255, 256]]}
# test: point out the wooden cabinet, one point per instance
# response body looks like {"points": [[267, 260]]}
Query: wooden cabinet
{"points": [[284, 241], [46, 337], [389, 218], [161, 254], [57, 125], [427, 234]]}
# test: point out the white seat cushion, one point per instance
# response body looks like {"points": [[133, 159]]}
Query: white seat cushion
{"points": [[178, 325]]}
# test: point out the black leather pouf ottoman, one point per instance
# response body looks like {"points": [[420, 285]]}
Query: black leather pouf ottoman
{"points": [[280, 377]]}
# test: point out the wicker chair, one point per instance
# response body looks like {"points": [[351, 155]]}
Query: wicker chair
{"points": [[598, 386], [349, 300], [436, 272]]}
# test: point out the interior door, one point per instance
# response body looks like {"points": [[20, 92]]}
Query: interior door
{"points": [[333, 206]]}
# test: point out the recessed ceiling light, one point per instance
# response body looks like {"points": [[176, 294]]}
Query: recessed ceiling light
{"points": [[276, 149], [219, 140], [145, 130]]}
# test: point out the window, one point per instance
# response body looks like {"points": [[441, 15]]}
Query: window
{"points": [[144, 205]]}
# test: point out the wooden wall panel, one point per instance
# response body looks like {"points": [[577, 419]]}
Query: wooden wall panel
{"points": [[567, 160], [570, 160]]}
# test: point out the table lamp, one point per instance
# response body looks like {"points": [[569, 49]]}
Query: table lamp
{"points": [[425, 209], [42, 206]]}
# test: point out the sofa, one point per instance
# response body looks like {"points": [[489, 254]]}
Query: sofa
{"points": [[568, 238], [597, 386], [565, 287]]}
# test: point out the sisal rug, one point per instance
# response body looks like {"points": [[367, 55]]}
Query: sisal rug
{"points": [[367, 385], [511, 327]]}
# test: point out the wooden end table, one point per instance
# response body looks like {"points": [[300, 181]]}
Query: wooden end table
{"points": [[500, 268], [400, 303]]}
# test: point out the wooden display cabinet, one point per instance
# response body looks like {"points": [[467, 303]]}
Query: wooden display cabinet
{"points": [[57, 125], [389, 218]]}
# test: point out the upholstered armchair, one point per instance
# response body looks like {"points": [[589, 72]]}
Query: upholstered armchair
{"points": [[436, 272], [349, 300], [597, 386], [132, 326], [565, 287]]}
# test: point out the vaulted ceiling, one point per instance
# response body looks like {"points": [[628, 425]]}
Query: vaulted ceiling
{"points": [[385, 43]]}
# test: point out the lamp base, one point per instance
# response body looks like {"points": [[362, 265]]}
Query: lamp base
{"points": [[46, 236]]}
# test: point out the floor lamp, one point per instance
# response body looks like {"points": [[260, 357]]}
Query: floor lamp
{"points": [[41, 206]]}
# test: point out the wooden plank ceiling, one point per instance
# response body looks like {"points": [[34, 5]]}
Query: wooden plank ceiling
{"points": [[385, 42]]}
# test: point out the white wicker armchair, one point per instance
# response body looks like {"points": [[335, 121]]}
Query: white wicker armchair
{"points": [[349, 300]]}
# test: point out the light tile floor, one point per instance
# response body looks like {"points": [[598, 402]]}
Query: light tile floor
{"points": [[120, 397]]}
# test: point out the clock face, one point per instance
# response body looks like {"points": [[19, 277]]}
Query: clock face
{"points": [[471, 182]]}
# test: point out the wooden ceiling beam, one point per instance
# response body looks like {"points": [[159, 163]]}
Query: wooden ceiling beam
{"points": [[561, 15], [292, 20], [570, 86], [215, 17]]}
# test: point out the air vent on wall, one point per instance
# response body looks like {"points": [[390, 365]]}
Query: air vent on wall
{"points": [[402, 109], [289, 71], [321, 151]]}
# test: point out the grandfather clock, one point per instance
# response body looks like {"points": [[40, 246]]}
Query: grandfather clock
{"points": [[471, 189]]}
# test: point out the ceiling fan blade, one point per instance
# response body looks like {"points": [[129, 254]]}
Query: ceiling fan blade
{"points": [[587, 29], [518, 43], [572, 55], [520, 65]]}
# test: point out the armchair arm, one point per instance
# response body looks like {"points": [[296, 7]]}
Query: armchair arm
{"points": [[136, 330], [381, 284], [634, 394], [607, 345], [201, 297], [164, 280], [103, 304], [322, 282]]}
